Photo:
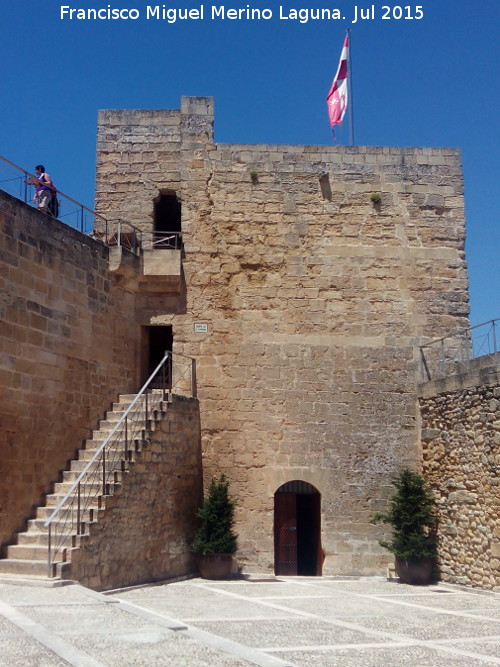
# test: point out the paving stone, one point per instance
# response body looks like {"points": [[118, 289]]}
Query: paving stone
{"points": [[260, 590], [146, 648], [409, 656], [27, 652], [298, 632], [317, 626], [20, 595], [426, 625], [88, 619], [454, 601], [484, 647], [221, 608]]}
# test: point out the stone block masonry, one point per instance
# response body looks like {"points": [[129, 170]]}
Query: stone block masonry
{"points": [[68, 347], [144, 532], [460, 439], [314, 295]]}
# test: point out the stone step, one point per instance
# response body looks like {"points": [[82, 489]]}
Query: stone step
{"points": [[133, 431], [29, 556], [155, 402], [106, 426], [137, 413], [32, 568], [70, 476], [44, 513], [118, 440], [135, 420], [113, 455], [32, 537], [117, 451], [126, 398], [38, 525], [27, 552], [34, 526], [90, 493], [78, 465], [86, 489]]}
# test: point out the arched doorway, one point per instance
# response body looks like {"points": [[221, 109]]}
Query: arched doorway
{"points": [[297, 530]]}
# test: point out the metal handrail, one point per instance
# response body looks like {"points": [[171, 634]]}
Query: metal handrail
{"points": [[94, 481], [172, 240], [117, 232], [455, 352], [113, 228]]}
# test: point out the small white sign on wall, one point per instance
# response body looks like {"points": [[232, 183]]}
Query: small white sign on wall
{"points": [[200, 327]]}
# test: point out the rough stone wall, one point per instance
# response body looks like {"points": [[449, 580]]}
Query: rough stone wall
{"points": [[314, 297], [460, 438], [138, 155], [144, 532], [68, 344]]}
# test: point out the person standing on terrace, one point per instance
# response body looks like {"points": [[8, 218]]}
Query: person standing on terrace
{"points": [[45, 189]]}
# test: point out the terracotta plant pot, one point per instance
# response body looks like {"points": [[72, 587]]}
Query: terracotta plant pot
{"points": [[215, 566], [415, 572]]}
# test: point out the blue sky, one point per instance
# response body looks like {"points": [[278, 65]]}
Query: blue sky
{"points": [[427, 82]]}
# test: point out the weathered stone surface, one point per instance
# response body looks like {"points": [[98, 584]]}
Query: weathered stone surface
{"points": [[462, 463], [144, 532], [68, 347], [314, 301]]}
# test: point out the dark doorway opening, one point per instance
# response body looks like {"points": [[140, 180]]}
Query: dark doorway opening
{"points": [[159, 339], [167, 213], [297, 530], [167, 222]]}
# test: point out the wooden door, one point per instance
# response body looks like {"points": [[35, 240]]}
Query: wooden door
{"points": [[285, 533]]}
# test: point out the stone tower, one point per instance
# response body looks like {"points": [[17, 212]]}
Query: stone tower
{"points": [[301, 278]]}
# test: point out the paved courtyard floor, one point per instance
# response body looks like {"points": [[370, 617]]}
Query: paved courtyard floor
{"points": [[271, 622]]}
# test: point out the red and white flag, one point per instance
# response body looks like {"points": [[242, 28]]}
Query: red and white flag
{"points": [[336, 99]]}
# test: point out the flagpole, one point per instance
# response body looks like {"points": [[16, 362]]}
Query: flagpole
{"points": [[349, 83]]}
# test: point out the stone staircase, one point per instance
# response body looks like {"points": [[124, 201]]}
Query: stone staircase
{"points": [[29, 556]]}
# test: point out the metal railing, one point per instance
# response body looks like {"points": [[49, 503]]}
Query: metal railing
{"points": [[13, 180], [454, 353], [155, 239], [115, 231], [124, 234], [176, 373]]}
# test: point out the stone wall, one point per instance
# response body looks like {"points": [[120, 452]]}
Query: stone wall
{"points": [[314, 297], [144, 532], [68, 346], [460, 438]]}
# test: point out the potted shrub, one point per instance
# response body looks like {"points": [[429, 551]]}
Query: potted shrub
{"points": [[411, 515], [215, 541]]}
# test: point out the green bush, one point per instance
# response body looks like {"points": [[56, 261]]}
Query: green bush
{"points": [[411, 514], [216, 534]]}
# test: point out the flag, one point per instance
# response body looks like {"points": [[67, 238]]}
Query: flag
{"points": [[336, 99]]}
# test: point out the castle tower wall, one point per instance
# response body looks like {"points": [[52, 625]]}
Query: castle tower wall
{"points": [[314, 272]]}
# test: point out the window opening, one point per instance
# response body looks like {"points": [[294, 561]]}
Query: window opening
{"points": [[167, 221]]}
